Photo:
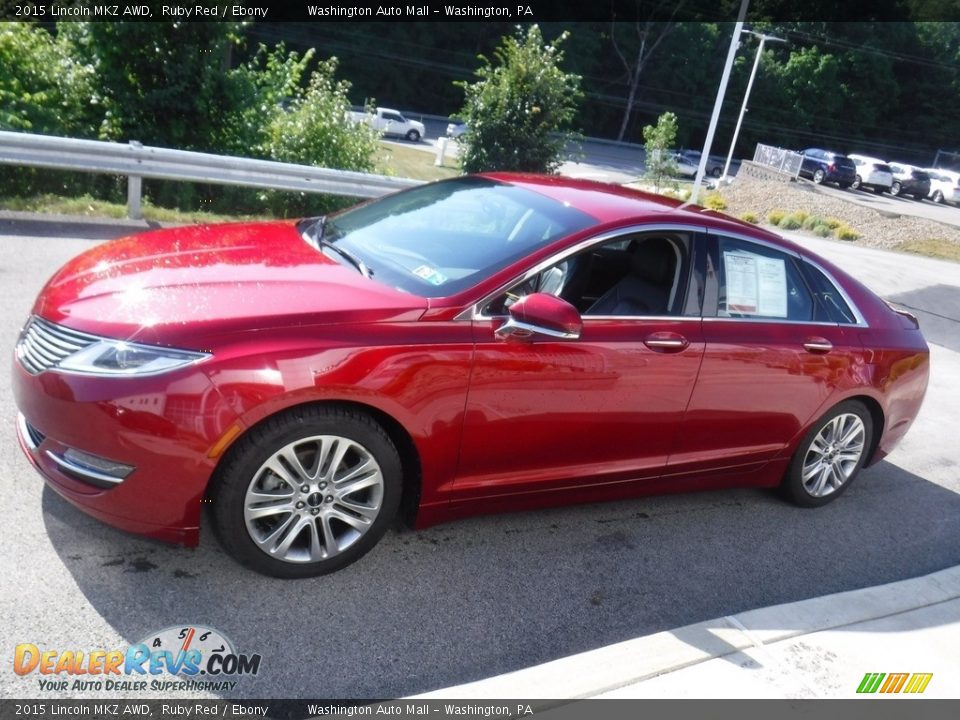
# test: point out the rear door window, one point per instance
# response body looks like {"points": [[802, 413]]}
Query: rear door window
{"points": [[758, 282]]}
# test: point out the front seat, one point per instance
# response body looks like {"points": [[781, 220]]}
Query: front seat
{"points": [[646, 288]]}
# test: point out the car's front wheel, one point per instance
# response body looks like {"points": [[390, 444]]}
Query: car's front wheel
{"points": [[307, 492], [830, 455], [937, 196], [895, 189]]}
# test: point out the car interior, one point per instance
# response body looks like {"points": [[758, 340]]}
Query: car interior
{"points": [[636, 275]]}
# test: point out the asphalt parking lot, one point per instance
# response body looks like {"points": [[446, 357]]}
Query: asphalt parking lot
{"points": [[467, 600]]}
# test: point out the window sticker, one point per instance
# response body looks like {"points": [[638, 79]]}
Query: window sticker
{"points": [[756, 285], [432, 276]]}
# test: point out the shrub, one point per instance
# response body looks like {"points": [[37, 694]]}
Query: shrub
{"points": [[812, 221], [518, 110], [660, 164], [789, 222], [315, 130], [715, 201], [821, 230], [775, 216], [845, 232], [833, 223], [801, 215], [750, 217]]}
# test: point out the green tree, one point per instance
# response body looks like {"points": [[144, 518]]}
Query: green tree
{"points": [[659, 139], [315, 129], [44, 88], [162, 83], [519, 108]]}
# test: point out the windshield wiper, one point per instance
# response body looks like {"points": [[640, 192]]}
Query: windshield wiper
{"points": [[316, 235]]}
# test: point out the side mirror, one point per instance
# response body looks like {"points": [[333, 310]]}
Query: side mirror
{"points": [[541, 314]]}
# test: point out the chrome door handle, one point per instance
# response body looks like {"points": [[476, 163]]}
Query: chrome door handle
{"points": [[666, 342], [818, 345]]}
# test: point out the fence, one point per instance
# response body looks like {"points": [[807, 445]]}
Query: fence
{"points": [[785, 161], [136, 161]]}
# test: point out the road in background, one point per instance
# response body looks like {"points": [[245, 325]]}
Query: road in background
{"points": [[483, 596]]}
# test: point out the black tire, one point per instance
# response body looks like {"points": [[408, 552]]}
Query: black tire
{"points": [[243, 468], [819, 176], [717, 172], [794, 487], [857, 183], [895, 189], [937, 196], [413, 136]]}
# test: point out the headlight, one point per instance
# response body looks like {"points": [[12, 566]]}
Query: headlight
{"points": [[115, 357]]}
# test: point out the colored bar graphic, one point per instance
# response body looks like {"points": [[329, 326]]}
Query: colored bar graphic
{"points": [[895, 682], [870, 682], [918, 683]]}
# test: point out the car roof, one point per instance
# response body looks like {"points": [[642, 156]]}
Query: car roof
{"points": [[868, 158], [615, 204]]}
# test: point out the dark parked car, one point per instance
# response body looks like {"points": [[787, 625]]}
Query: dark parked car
{"points": [[909, 180], [826, 166], [481, 344]]}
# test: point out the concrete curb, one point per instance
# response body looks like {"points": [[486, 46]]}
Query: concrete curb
{"points": [[605, 669]]}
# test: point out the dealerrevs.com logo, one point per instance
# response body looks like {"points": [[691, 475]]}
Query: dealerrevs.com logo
{"points": [[187, 658]]}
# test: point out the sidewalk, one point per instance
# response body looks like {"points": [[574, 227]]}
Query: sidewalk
{"points": [[817, 648]]}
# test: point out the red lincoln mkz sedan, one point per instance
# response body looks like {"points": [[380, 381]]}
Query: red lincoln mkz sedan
{"points": [[496, 342]]}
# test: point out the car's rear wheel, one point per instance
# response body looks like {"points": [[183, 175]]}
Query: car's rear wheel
{"points": [[857, 182], [830, 455], [307, 492], [895, 189], [819, 176], [717, 172], [413, 136], [937, 196]]}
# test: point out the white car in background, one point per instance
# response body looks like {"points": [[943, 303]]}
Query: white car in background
{"points": [[872, 174], [944, 185], [455, 129]]}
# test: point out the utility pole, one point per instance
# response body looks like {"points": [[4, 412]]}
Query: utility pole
{"points": [[718, 103], [743, 108]]}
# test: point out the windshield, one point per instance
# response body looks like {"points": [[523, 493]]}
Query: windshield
{"points": [[440, 239]]}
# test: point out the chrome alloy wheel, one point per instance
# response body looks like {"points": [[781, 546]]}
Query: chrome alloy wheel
{"points": [[313, 498], [834, 455]]}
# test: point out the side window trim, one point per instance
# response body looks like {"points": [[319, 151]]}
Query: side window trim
{"points": [[475, 311]]}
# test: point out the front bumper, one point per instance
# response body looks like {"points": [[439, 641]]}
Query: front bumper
{"points": [[162, 426]]}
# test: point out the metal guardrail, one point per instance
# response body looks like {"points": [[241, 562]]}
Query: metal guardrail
{"points": [[137, 161], [786, 161]]}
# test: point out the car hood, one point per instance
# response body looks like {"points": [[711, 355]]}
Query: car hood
{"points": [[179, 285]]}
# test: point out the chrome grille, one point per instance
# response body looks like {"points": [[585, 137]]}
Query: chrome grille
{"points": [[44, 344]]}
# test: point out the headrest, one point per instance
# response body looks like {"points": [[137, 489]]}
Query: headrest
{"points": [[652, 259]]}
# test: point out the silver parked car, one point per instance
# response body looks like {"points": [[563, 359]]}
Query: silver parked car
{"points": [[872, 174], [944, 185]]}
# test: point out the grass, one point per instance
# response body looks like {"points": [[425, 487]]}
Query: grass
{"points": [[86, 206], [932, 247], [408, 162]]}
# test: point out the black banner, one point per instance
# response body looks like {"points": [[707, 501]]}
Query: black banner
{"points": [[513, 11], [862, 709]]}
